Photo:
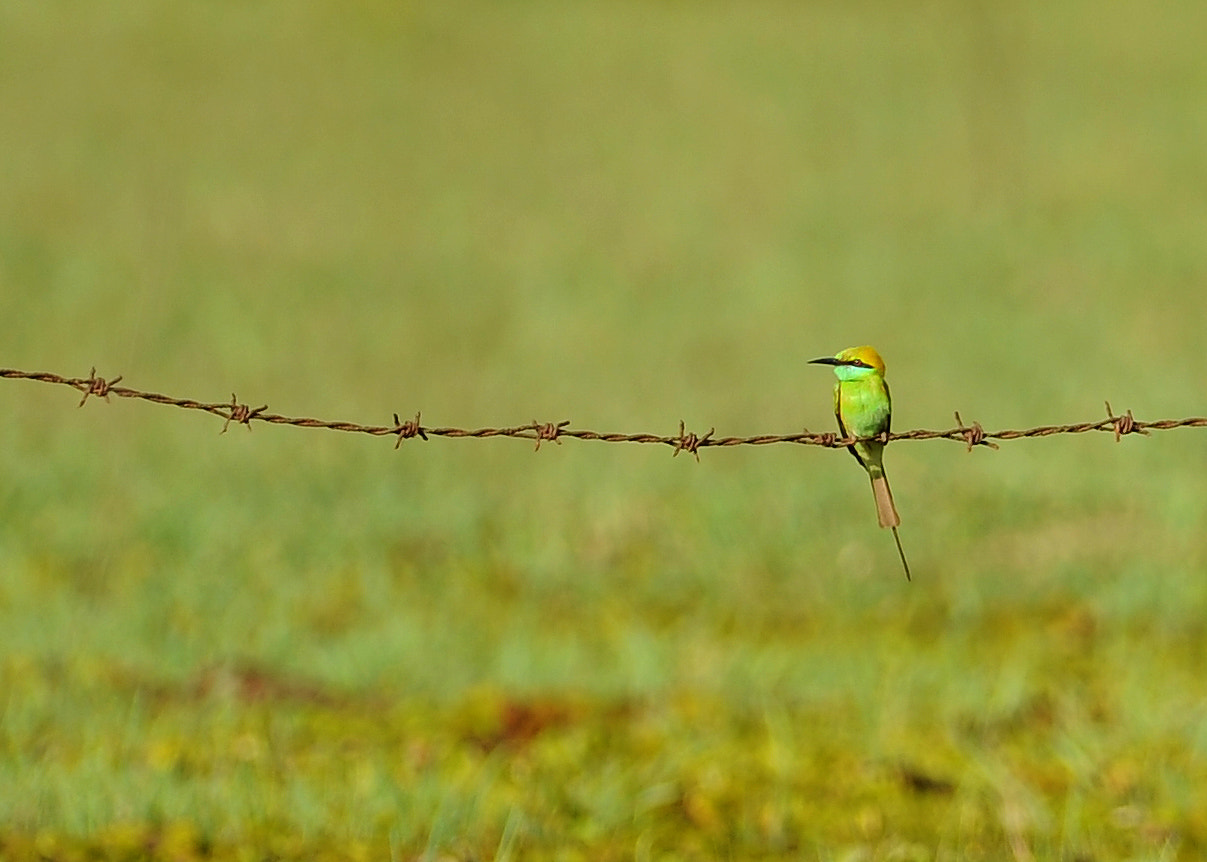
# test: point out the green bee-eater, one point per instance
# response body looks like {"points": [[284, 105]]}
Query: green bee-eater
{"points": [[864, 408]]}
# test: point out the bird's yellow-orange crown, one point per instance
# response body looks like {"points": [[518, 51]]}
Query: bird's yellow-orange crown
{"points": [[866, 355]]}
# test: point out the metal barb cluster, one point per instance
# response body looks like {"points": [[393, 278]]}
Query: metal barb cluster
{"points": [[689, 442], [410, 428], [1125, 424], [98, 386], [241, 413], [541, 432], [974, 436], [548, 431]]}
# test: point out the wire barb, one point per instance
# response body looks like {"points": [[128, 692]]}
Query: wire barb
{"points": [[689, 442], [98, 386], [548, 431], [241, 413], [406, 430], [974, 436], [1125, 424]]}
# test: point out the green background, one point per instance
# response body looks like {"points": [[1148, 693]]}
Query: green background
{"points": [[296, 643]]}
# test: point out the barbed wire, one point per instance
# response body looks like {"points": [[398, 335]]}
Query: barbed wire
{"points": [[543, 432]]}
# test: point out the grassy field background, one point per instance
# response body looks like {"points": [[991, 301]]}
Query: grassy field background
{"points": [[300, 644]]}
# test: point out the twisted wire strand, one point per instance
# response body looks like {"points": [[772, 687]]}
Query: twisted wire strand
{"points": [[241, 413]]}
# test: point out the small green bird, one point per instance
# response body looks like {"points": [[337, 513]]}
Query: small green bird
{"points": [[864, 408]]}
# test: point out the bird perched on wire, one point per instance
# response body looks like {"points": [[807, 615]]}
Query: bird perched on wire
{"points": [[864, 408]]}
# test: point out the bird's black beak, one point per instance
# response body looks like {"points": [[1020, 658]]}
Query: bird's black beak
{"points": [[826, 360]]}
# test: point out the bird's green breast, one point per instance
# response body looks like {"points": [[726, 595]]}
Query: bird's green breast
{"points": [[863, 406]]}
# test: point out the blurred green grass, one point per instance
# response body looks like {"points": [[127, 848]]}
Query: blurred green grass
{"points": [[297, 644]]}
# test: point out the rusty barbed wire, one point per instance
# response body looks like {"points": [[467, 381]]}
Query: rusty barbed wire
{"points": [[542, 432]]}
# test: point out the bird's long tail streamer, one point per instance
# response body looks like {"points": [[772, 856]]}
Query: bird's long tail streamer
{"points": [[901, 551]]}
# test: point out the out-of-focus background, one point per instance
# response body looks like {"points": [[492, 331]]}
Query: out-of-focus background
{"points": [[302, 644]]}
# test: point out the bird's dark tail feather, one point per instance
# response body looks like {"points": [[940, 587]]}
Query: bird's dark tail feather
{"points": [[901, 551]]}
